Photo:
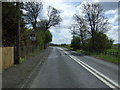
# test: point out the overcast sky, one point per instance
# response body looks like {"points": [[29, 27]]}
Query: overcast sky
{"points": [[61, 33]]}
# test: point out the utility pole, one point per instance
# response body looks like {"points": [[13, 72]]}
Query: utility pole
{"points": [[17, 53], [0, 24]]}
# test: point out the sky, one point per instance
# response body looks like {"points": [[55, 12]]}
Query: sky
{"points": [[61, 33]]}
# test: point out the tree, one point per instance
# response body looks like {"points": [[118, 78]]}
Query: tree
{"points": [[104, 42], [25, 37], [75, 43], [94, 16], [53, 18], [43, 38], [10, 17], [33, 10], [48, 37], [81, 28], [42, 25]]}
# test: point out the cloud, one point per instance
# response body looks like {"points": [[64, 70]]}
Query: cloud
{"points": [[109, 5], [62, 37], [115, 11], [113, 33], [61, 33], [112, 15], [114, 20], [105, 0], [59, 0]]}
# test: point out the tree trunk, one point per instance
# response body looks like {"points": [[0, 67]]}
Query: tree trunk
{"points": [[82, 37], [93, 40]]}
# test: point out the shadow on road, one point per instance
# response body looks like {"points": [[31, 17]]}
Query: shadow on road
{"points": [[74, 53]]}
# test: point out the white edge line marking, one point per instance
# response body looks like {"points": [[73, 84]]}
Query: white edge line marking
{"points": [[95, 71], [99, 73], [107, 83]]}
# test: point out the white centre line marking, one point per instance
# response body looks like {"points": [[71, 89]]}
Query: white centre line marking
{"points": [[96, 73], [100, 78], [103, 76]]}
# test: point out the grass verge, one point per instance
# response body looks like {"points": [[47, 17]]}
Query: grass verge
{"points": [[101, 56], [31, 54], [107, 58]]}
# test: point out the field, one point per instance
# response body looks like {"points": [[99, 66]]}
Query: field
{"points": [[107, 58], [111, 55]]}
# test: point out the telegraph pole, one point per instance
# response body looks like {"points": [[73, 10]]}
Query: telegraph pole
{"points": [[17, 53]]}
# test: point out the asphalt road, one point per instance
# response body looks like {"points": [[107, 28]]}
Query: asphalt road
{"points": [[64, 69]]}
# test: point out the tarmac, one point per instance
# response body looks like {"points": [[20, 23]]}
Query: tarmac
{"points": [[15, 76]]}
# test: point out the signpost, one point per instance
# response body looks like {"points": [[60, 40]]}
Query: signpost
{"points": [[33, 36]]}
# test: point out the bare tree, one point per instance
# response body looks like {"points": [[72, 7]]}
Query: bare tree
{"points": [[42, 25], [32, 12], [74, 31], [94, 16], [81, 28], [53, 19]]}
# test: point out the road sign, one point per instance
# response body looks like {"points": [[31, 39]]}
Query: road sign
{"points": [[33, 36]]}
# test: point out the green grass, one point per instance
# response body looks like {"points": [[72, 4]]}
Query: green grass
{"points": [[83, 52], [107, 58], [32, 54], [22, 59], [112, 50], [68, 47], [35, 52]]}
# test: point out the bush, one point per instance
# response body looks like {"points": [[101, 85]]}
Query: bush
{"points": [[82, 52], [75, 43]]}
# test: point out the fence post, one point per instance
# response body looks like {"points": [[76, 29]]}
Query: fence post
{"points": [[113, 53], [116, 54]]}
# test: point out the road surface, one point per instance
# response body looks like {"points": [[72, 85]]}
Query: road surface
{"points": [[66, 69]]}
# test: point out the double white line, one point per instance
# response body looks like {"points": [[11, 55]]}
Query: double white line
{"points": [[96, 73]]}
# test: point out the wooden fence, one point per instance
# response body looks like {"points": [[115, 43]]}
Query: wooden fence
{"points": [[26, 50], [7, 57]]}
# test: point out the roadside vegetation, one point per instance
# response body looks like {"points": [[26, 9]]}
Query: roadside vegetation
{"points": [[34, 34], [89, 33], [88, 30], [110, 55]]}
